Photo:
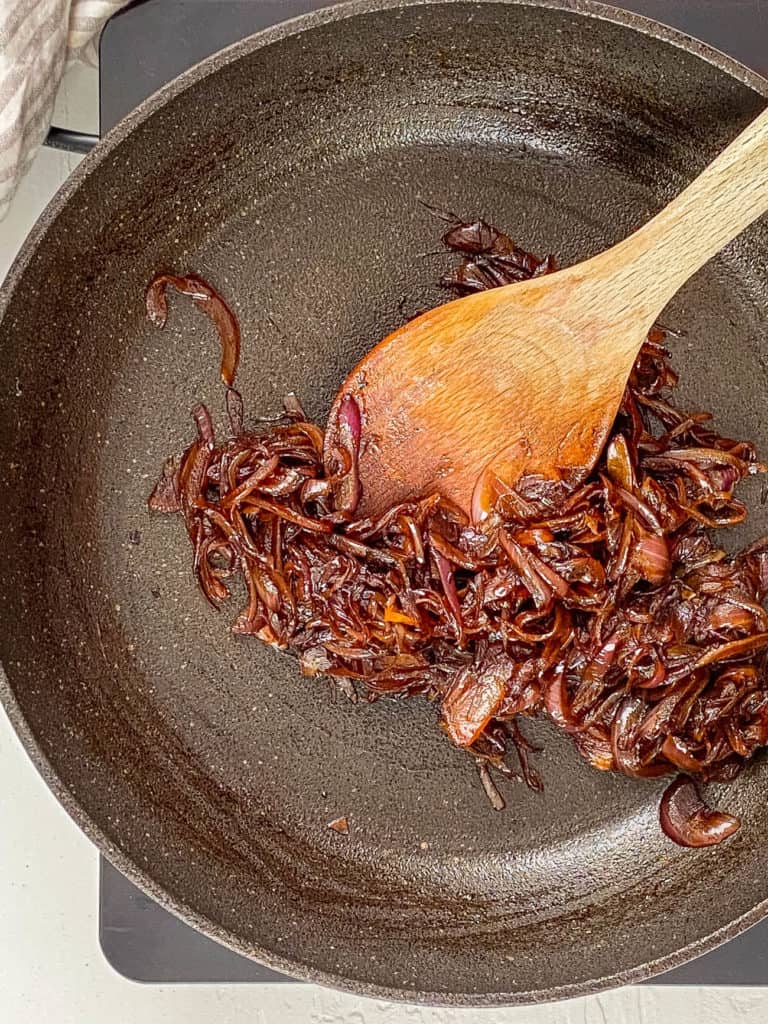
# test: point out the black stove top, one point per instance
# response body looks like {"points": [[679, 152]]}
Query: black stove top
{"points": [[143, 47]]}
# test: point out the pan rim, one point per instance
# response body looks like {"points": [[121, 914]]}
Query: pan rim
{"points": [[66, 797]]}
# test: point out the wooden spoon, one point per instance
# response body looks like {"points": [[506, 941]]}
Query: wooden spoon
{"points": [[528, 378]]}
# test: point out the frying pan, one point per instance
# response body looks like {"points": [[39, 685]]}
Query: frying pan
{"points": [[288, 170]]}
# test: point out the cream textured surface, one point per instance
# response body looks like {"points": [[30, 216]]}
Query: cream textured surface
{"points": [[52, 970]]}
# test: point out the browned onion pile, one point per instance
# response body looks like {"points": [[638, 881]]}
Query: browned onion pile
{"points": [[610, 608]]}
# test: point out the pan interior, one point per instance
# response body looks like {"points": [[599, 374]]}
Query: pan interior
{"points": [[294, 178]]}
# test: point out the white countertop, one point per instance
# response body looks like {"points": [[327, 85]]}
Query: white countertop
{"points": [[51, 966]]}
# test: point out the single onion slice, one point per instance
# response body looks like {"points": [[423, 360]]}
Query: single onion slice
{"points": [[618, 462], [165, 495], [626, 722], [211, 303], [470, 704], [688, 821], [557, 702], [342, 448], [734, 649], [448, 581], [677, 753], [650, 557]]}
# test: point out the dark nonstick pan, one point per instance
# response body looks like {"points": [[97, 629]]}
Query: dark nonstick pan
{"points": [[289, 171]]}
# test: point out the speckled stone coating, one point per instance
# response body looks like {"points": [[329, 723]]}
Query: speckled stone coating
{"points": [[288, 170]]}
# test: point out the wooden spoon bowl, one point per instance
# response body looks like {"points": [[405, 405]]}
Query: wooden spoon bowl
{"points": [[526, 379]]}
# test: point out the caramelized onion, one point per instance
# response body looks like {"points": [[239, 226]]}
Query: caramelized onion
{"points": [[687, 820], [342, 446], [211, 303], [651, 558], [470, 704], [607, 607]]}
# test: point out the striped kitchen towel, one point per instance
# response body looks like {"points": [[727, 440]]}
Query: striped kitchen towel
{"points": [[37, 37]]}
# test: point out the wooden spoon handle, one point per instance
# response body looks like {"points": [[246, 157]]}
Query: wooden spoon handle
{"points": [[653, 263]]}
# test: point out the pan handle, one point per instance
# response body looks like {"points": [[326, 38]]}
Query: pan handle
{"points": [[73, 142]]}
